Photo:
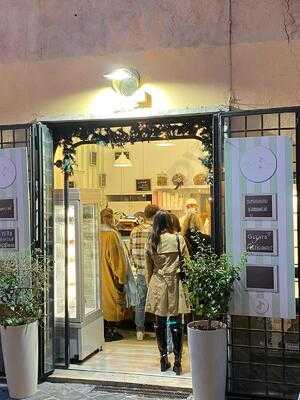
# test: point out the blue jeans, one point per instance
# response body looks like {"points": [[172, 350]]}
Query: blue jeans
{"points": [[169, 338], [142, 289]]}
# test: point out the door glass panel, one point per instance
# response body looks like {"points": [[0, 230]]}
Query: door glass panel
{"points": [[72, 263], [59, 284], [90, 266]]}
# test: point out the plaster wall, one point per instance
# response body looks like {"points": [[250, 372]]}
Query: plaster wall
{"points": [[53, 54]]}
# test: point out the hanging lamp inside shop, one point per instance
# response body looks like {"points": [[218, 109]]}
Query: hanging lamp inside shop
{"points": [[122, 161]]}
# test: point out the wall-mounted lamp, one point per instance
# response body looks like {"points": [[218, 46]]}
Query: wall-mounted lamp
{"points": [[125, 81]]}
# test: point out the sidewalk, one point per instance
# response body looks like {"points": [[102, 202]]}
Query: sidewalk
{"points": [[72, 391]]}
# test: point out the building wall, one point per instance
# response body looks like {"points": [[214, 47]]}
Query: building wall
{"points": [[53, 54]]}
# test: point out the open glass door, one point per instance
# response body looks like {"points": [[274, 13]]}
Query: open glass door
{"points": [[41, 192]]}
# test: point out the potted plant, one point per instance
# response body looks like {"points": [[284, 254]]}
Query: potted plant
{"points": [[23, 282], [210, 282]]}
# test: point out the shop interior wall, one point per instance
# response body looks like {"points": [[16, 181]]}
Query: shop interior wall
{"points": [[148, 161], [54, 53]]}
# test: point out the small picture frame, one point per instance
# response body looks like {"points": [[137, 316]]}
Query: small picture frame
{"points": [[262, 206], [143, 185], [260, 241], [261, 278], [8, 209], [9, 239]]}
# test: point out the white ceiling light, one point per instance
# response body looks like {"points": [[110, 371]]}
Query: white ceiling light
{"points": [[122, 161], [165, 143]]}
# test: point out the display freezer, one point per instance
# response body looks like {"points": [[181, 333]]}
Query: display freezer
{"points": [[85, 316]]}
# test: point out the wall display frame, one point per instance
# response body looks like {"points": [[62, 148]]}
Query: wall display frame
{"points": [[9, 239], [143, 185], [261, 278], [8, 209], [259, 241], [262, 206]]}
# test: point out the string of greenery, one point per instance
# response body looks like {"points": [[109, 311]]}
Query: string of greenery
{"points": [[76, 135]]}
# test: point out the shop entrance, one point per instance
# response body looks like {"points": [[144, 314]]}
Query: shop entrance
{"points": [[167, 164]]}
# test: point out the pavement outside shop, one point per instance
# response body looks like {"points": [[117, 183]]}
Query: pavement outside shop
{"points": [[61, 391]]}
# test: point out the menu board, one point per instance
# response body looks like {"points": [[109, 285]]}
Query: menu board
{"points": [[9, 238], [261, 277], [261, 241], [143, 185], [7, 209], [260, 206]]}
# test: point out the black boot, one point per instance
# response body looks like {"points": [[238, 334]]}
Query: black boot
{"points": [[161, 337], [177, 334]]}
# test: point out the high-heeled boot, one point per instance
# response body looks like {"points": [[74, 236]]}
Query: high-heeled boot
{"points": [[161, 337], [177, 334]]}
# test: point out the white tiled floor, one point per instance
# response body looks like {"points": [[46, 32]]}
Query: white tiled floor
{"points": [[130, 361]]}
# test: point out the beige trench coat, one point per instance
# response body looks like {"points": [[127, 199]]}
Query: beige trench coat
{"points": [[166, 296]]}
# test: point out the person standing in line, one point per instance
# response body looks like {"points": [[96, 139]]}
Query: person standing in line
{"points": [[113, 273], [166, 296], [138, 239]]}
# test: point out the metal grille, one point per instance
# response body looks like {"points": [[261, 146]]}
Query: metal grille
{"points": [[14, 136], [264, 353]]}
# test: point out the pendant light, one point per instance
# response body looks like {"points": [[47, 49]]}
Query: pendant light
{"points": [[122, 161]]}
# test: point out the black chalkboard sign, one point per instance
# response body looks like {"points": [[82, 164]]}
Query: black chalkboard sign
{"points": [[143, 185], [261, 241], [260, 206], [7, 209], [8, 239], [261, 277]]}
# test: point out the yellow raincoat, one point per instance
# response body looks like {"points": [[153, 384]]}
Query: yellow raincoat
{"points": [[113, 273]]}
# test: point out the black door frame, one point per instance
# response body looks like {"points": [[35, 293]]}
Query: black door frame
{"points": [[65, 129]]}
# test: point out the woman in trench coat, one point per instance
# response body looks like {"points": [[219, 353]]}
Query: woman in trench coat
{"points": [[166, 297]]}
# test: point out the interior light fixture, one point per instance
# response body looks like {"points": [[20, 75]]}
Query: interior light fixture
{"points": [[165, 143], [122, 161], [125, 81]]}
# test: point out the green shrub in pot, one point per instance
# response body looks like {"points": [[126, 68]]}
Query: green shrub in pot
{"points": [[210, 284], [24, 285]]}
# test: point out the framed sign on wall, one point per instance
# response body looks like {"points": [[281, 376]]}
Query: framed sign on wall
{"points": [[143, 185]]}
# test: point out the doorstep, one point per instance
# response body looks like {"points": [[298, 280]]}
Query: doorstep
{"points": [[128, 380]]}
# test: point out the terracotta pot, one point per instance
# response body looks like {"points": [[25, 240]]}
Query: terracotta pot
{"points": [[208, 355], [20, 355]]}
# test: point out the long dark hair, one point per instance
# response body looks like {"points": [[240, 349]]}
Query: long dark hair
{"points": [[162, 222]]}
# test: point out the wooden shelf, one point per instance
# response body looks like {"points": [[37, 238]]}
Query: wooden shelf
{"points": [[181, 188]]}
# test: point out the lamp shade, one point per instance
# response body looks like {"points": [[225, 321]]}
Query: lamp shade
{"points": [[122, 161]]}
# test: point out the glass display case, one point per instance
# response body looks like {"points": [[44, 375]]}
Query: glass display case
{"points": [[85, 317]]}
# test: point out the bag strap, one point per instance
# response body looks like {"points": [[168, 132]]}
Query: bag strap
{"points": [[179, 249]]}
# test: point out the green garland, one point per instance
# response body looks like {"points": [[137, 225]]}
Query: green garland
{"points": [[76, 135]]}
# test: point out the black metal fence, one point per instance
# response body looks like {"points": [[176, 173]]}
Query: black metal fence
{"points": [[264, 353]]}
